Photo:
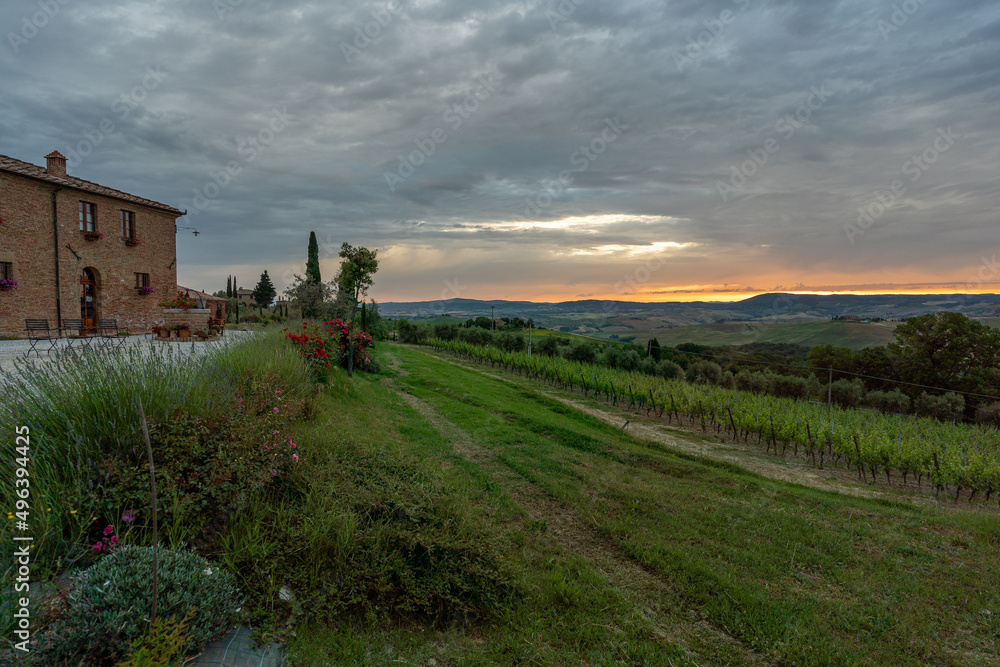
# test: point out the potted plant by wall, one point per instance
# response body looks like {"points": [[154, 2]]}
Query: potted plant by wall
{"points": [[132, 243], [7, 285], [162, 332], [183, 330], [93, 236]]}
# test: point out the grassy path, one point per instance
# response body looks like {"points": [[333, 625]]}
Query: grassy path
{"points": [[633, 552]]}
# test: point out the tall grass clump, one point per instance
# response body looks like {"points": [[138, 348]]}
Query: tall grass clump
{"points": [[82, 411]]}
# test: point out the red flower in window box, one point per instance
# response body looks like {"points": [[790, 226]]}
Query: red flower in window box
{"points": [[93, 236], [7, 285], [132, 243], [144, 291]]}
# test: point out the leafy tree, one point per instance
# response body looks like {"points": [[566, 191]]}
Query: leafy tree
{"points": [[669, 370], [445, 331], [309, 296], [989, 413], [357, 274], [948, 350], [654, 349], [410, 332], [547, 346], [312, 261], [822, 357], [264, 292]]}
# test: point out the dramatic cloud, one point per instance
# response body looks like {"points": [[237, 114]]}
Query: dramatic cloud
{"points": [[549, 149]]}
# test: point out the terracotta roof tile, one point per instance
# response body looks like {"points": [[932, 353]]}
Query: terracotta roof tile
{"points": [[15, 166]]}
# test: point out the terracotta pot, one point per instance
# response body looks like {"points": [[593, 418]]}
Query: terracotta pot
{"points": [[184, 333], [162, 333]]}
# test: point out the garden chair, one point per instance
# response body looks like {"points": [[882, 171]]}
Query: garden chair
{"points": [[81, 332], [38, 331], [110, 333]]}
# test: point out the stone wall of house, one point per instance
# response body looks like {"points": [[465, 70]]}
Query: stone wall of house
{"points": [[29, 241]]}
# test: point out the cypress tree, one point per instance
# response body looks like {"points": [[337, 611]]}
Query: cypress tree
{"points": [[312, 263], [229, 287]]}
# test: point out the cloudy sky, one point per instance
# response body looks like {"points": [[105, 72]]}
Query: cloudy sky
{"points": [[538, 150]]}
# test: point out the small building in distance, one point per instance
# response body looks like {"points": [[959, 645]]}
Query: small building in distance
{"points": [[73, 249], [245, 296], [216, 304]]}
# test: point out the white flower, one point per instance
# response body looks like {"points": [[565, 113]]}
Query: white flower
{"points": [[208, 571]]}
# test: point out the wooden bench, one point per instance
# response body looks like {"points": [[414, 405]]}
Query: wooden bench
{"points": [[38, 331]]}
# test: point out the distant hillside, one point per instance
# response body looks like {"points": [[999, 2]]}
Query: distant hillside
{"points": [[772, 307]]}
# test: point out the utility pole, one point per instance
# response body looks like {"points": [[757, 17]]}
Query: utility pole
{"points": [[493, 319], [529, 337]]}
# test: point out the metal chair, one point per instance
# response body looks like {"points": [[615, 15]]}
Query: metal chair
{"points": [[81, 332], [38, 331], [111, 333]]}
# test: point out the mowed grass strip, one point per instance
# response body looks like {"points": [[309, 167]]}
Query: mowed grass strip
{"points": [[803, 576], [373, 463]]}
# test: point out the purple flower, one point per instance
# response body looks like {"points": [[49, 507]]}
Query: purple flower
{"points": [[129, 516]]}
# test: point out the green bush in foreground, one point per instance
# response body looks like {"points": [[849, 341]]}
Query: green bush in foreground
{"points": [[111, 601]]}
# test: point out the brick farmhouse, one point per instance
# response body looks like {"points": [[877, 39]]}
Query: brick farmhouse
{"points": [[79, 250]]}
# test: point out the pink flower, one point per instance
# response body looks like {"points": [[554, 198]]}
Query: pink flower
{"points": [[295, 457], [274, 473], [114, 539], [110, 529], [294, 445], [278, 392], [97, 548], [276, 410]]}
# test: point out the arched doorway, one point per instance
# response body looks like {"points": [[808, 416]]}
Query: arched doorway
{"points": [[88, 299]]}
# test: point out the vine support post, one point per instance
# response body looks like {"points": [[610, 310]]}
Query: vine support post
{"points": [[829, 393]]}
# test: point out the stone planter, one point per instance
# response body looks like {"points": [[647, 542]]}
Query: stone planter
{"points": [[196, 318]]}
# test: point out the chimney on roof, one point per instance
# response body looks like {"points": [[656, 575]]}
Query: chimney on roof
{"points": [[55, 164]]}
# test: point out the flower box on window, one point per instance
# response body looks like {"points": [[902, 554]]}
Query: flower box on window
{"points": [[93, 236], [7, 285], [144, 291], [132, 243]]}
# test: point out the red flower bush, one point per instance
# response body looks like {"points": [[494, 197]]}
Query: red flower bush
{"points": [[321, 347]]}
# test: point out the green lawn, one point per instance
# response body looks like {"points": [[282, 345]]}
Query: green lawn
{"points": [[620, 551]]}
